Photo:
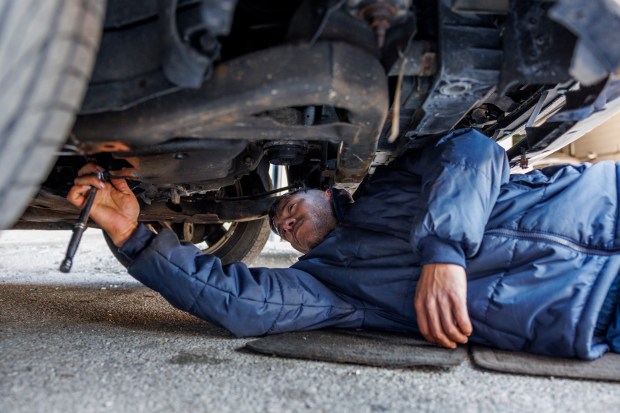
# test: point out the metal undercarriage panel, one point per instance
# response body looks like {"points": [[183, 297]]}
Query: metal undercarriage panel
{"points": [[231, 105]]}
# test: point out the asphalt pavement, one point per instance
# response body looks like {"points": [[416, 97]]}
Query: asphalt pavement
{"points": [[95, 340]]}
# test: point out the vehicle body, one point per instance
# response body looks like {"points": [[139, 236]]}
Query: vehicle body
{"points": [[194, 100]]}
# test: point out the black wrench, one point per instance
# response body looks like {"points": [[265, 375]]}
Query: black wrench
{"points": [[79, 228]]}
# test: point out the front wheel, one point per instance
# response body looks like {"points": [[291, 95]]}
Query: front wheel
{"points": [[47, 50]]}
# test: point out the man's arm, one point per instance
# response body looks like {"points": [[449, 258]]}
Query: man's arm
{"points": [[461, 177], [246, 301]]}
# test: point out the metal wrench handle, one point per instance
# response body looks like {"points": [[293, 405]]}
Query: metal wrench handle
{"points": [[78, 230]]}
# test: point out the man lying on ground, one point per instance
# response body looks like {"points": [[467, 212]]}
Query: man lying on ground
{"points": [[442, 241]]}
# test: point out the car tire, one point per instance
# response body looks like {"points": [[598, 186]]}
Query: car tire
{"points": [[47, 50], [243, 242]]}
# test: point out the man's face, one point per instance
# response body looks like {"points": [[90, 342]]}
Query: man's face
{"points": [[304, 219]]}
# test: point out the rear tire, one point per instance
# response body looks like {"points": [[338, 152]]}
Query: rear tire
{"points": [[243, 242], [47, 50]]}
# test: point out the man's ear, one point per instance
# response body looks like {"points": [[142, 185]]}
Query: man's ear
{"points": [[328, 193]]}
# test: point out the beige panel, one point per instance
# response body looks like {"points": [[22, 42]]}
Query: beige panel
{"points": [[601, 143]]}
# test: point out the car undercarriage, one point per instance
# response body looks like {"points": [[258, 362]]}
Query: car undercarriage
{"points": [[195, 101]]}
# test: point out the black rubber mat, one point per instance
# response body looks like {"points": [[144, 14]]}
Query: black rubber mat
{"points": [[605, 368], [359, 347]]}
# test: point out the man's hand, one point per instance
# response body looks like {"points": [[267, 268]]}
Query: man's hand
{"points": [[441, 304], [115, 208]]}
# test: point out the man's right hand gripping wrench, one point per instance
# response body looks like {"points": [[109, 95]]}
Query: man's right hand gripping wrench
{"points": [[115, 207]]}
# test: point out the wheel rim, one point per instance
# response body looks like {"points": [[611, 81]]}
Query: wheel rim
{"points": [[211, 246], [208, 237]]}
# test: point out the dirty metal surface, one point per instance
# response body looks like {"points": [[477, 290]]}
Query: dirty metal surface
{"points": [[605, 368], [359, 347]]}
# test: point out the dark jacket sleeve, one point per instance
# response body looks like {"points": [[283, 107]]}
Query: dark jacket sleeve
{"points": [[246, 301], [461, 176]]}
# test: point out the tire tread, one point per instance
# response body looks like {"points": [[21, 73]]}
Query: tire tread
{"points": [[58, 104]]}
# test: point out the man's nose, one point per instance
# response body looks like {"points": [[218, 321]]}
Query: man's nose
{"points": [[289, 223]]}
